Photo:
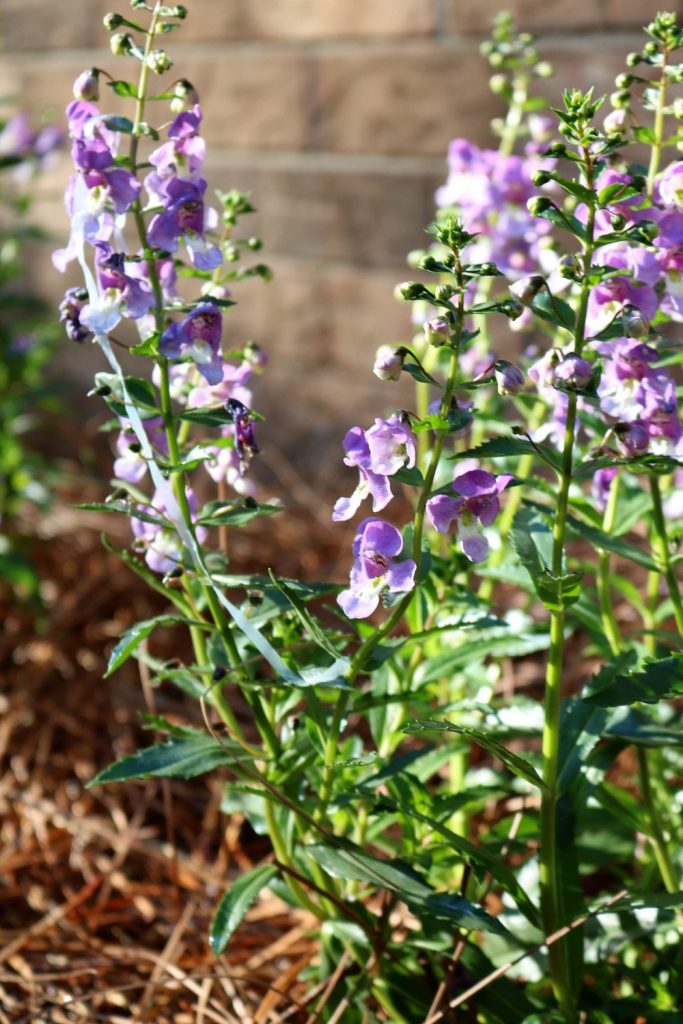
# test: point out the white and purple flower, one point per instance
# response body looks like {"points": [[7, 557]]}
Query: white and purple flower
{"points": [[375, 570], [477, 506]]}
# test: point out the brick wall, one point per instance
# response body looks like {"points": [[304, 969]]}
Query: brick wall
{"points": [[337, 115]]}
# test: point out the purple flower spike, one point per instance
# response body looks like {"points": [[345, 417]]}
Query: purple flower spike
{"points": [[478, 504], [374, 570], [199, 334]]}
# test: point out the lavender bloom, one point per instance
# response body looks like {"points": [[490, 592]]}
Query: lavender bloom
{"points": [[183, 156], [245, 440], [131, 464], [87, 85], [601, 486], [136, 294], [70, 309], [573, 374], [478, 504], [437, 331], [162, 546], [634, 437], [610, 297], [509, 378], [200, 335], [225, 464], [378, 453], [184, 217], [375, 571], [234, 384], [670, 186]]}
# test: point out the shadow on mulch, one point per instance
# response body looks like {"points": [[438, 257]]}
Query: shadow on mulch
{"points": [[108, 893]]}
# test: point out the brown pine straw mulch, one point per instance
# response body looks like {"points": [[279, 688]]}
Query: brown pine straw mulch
{"points": [[107, 894]]}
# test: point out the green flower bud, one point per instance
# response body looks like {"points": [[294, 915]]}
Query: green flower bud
{"points": [[121, 44], [113, 21], [409, 290], [444, 292], [498, 84], [633, 60], [618, 221], [158, 61], [540, 178], [557, 149], [184, 96], [544, 69], [538, 205]]}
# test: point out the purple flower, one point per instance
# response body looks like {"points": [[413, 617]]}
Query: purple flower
{"points": [[183, 156], [70, 309], [184, 217], [374, 570], [509, 378], [573, 373], [244, 438], [199, 334], [377, 453], [634, 437], [131, 465], [225, 464], [478, 504], [87, 85], [111, 273], [601, 486], [161, 544], [670, 186]]}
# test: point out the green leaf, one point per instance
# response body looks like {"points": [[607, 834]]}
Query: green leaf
{"points": [[516, 764], [642, 901], [532, 540], [351, 862], [237, 512], [413, 477], [308, 621], [134, 636], [475, 651], [658, 679], [635, 726], [214, 417], [148, 347], [418, 373], [581, 728], [511, 447], [599, 539], [115, 123], [235, 903], [125, 508], [567, 222], [182, 758], [122, 88]]}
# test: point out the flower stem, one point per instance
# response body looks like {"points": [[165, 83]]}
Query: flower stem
{"points": [[609, 622], [658, 127], [663, 551]]}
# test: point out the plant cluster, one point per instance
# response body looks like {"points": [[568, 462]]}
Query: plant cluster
{"points": [[460, 845], [27, 341]]}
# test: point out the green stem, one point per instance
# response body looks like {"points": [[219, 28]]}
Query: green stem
{"points": [[659, 841], [609, 622], [552, 896], [658, 127], [663, 551]]}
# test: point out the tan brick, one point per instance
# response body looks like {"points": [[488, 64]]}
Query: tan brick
{"points": [[476, 16], [303, 19], [396, 101], [252, 99], [355, 216]]}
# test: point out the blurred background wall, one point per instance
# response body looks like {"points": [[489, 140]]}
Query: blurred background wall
{"points": [[336, 115]]}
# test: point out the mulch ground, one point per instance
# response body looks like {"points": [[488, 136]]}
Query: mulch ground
{"points": [[108, 893]]}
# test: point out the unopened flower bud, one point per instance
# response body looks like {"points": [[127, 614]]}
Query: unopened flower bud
{"points": [[388, 363], [620, 99], [569, 267], [623, 80], [649, 229], [87, 85], [557, 149], [428, 262], [255, 356], [512, 308], [678, 108], [509, 378], [185, 96], [121, 44], [633, 60], [498, 83], [437, 331], [178, 11], [444, 292], [527, 288], [650, 49], [616, 121], [633, 322], [544, 69], [633, 437], [540, 178], [70, 314], [113, 21], [618, 221], [158, 61], [409, 290], [573, 374], [538, 205]]}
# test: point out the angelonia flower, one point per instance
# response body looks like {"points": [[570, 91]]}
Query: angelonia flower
{"points": [[388, 363], [437, 331], [477, 506], [199, 336], [161, 545], [509, 378], [375, 570], [378, 453], [70, 309], [573, 373]]}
